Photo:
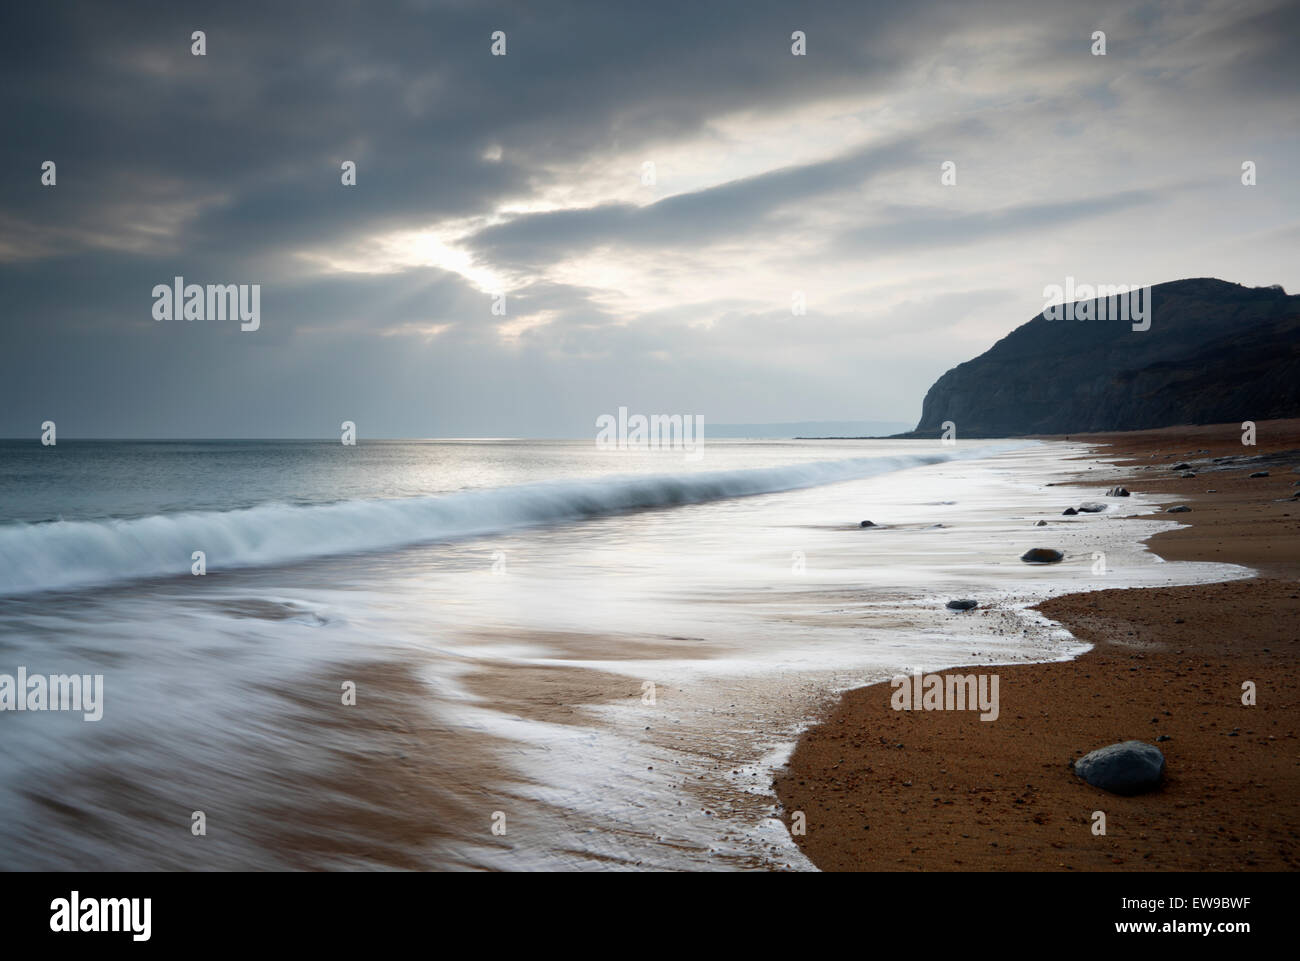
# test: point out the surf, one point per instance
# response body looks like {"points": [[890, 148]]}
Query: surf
{"points": [[74, 554]]}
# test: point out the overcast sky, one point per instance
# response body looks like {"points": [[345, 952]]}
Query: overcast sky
{"points": [[523, 174]]}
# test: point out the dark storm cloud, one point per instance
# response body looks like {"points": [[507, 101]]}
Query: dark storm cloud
{"points": [[225, 169], [256, 130]]}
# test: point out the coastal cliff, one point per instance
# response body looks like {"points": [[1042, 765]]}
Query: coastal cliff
{"points": [[1214, 352]]}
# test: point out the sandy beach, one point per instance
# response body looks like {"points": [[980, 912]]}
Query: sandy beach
{"points": [[941, 790]]}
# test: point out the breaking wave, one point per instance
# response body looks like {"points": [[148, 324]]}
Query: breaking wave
{"points": [[66, 554]]}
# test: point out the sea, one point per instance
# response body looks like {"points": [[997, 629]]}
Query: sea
{"points": [[498, 654]]}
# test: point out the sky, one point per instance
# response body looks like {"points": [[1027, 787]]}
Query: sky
{"points": [[626, 209]]}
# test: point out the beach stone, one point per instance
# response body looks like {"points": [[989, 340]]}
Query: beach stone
{"points": [[962, 605], [1069, 512], [1132, 767], [1180, 509], [1091, 507], [867, 524], [1188, 473], [1181, 467], [1117, 492], [1041, 555], [1260, 473], [1044, 523]]}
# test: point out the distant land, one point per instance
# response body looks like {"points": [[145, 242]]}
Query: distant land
{"points": [[1215, 352], [807, 429]]}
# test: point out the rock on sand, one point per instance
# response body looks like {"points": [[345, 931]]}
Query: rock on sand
{"points": [[1132, 767], [1041, 555]]}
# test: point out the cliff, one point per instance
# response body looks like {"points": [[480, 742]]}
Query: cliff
{"points": [[1215, 352]]}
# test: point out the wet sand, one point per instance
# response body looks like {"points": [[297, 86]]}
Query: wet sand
{"points": [[942, 790]]}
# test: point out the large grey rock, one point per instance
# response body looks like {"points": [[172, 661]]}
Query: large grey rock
{"points": [[1132, 767]]}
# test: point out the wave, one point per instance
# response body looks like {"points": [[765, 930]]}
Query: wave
{"points": [[70, 554]]}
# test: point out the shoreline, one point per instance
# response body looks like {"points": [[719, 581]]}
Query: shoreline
{"points": [[940, 790]]}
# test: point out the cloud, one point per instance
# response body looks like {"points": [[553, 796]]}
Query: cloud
{"points": [[520, 175], [934, 228], [693, 219]]}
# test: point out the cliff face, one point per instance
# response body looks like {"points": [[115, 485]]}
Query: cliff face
{"points": [[1215, 352]]}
